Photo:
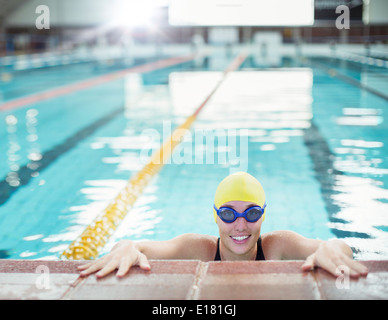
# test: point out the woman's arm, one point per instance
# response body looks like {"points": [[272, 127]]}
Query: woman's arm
{"points": [[126, 254], [123, 256], [328, 255]]}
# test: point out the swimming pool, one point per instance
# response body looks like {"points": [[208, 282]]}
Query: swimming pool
{"points": [[315, 140]]}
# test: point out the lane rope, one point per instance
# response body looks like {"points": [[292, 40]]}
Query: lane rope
{"points": [[91, 82], [96, 235]]}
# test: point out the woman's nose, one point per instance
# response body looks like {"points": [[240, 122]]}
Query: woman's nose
{"points": [[240, 224]]}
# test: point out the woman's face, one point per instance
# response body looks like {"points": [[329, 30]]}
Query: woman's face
{"points": [[239, 238]]}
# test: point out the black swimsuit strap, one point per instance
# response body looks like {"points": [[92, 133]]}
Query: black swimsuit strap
{"points": [[218, 257], [259, 254]]}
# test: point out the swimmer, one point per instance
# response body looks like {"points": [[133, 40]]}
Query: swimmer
{"points": [[239, 211]]}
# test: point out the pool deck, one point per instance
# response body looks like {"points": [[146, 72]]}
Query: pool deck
{"points": [[188, 280]]}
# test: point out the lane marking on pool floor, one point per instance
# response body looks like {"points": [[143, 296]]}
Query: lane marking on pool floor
{"points": [[345, 78], [28, 171], [91, 82], [95, 236]]}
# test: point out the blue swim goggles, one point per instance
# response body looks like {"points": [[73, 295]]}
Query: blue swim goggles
{"points": [[251, 214]]}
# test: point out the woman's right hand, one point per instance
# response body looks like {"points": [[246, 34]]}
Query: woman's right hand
{"points": [[123, 256]]}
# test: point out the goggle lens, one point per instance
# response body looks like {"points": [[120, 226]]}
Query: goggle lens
{"points": [[254, 214], [229, 215]]}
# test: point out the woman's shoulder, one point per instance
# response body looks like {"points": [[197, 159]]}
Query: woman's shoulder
{"points": [[199, 240], [273, 244], [277, 244], [199, 246]]}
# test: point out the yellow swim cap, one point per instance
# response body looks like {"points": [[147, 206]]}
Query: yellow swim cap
{"points": [[240, 186]]}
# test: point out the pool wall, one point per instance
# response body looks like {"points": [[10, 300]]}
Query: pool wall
{"points": [[189, 280]]}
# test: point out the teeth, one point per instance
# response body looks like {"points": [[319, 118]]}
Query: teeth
{"points": [[240, 238]]}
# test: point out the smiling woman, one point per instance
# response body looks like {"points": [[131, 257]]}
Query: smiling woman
{"points": [[239, 192], [241, 237], [239, 240]]}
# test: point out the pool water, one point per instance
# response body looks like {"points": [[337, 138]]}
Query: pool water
{"points": [[315, 140]]}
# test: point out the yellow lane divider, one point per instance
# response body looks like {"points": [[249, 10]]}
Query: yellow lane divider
{"points": [[96, 235]]}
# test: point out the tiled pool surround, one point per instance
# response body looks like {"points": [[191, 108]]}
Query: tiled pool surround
{"points": [[188, 280]]}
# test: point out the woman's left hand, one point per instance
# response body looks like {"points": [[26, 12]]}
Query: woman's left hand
{"points": [[334, 256]]}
